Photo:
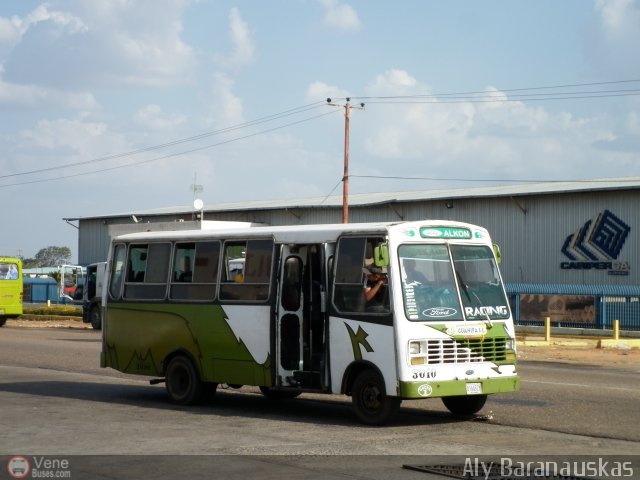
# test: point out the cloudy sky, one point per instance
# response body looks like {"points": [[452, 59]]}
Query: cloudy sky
{"points": [[111, 106]]}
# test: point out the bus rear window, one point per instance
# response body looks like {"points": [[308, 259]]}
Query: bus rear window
{"points": [[8, 271]]}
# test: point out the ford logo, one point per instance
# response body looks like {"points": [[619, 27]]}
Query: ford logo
{"points": [[439, 312]]}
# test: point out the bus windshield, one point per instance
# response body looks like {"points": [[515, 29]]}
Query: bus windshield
{"points": [[430, 284], [480, 286]]}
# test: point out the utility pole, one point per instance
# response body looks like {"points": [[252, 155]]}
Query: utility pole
{"points": [[345, 176]]}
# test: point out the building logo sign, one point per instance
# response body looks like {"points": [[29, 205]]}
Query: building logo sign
{"points": [[597, 244]]}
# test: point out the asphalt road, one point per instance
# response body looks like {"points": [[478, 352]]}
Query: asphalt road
{"points": [[57, 401]]}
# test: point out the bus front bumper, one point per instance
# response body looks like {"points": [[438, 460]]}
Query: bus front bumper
{"points": [[447, 388]]}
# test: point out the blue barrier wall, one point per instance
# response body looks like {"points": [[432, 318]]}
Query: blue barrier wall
{"points": [[610, 302], [39, 290]]}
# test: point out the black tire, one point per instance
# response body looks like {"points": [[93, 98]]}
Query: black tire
{"points": [[370, 401], [465, 405], [183, 382], [208, 391], [2, 320], [95, 317], [272, 394]]}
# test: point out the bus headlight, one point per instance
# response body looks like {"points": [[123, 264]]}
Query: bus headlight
{"points": [[510, 344], [417, 352]]}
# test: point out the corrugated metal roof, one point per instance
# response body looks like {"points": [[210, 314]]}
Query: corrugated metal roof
{"points": [[572, 289], [368, 199]]}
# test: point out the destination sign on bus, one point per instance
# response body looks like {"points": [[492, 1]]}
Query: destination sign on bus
{"points": [[445, 232]]}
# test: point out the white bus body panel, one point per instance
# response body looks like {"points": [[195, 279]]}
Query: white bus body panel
{"points": [[376, 346]]}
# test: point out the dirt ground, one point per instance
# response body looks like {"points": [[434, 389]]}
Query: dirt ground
{"points": [[587, 355], [566, 351]]}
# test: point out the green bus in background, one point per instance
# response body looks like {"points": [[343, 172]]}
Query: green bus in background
{"points": [[10, 288]]}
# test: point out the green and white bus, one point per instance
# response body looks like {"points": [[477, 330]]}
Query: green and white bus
{"points": [[10, 288], [284, 309]]}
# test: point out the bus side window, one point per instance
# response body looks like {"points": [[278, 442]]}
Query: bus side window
{"points": [[150, 267], [247, 271], [348, 289], [117, 270], [197, 280], [354, 262]]}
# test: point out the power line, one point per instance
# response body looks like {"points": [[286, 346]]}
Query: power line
{"points": [[268, 118], [171, 155], [436, 101], [460, 97], [548, 87]]}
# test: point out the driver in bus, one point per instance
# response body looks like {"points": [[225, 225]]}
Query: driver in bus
{"points": [[373, 287]]}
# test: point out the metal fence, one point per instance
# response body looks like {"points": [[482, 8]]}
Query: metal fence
{"points": [[579, 306]]}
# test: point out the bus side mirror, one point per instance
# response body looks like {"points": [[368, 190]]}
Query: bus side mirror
{"points": [[496, 252], [381, 255]]}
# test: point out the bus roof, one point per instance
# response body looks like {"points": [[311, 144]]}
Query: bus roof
{"points": [[294, 233]]}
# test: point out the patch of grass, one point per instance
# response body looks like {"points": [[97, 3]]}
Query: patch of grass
{"points": [[57, 310]]}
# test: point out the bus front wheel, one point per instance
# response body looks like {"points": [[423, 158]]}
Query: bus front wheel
{"points": [[464, 405], [370, 401], [95, 318], [2, 320], [182, 381]]}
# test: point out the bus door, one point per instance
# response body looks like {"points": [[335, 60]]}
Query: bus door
{"points": [[300, 340]]}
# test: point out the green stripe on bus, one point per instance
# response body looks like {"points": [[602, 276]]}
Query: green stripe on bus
{"points": [[200, 330]]}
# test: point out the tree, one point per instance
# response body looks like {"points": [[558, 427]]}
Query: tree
{"points": [[49, 257]]}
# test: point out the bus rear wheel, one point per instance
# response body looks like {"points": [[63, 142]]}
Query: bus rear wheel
{"points": [[464, 405], [182, 381], [370, 401]]}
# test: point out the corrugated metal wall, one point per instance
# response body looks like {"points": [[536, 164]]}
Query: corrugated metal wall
{"points": [[531, 229]]}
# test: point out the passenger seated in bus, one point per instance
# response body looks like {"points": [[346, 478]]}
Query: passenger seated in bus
{"points": [[185, 271], [12, 274]]}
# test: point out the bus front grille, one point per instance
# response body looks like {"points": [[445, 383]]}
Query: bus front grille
{"points": [[464, 351]]}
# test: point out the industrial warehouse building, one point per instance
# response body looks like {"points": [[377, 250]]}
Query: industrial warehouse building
{"points": [[578, 239], [585, 232]]}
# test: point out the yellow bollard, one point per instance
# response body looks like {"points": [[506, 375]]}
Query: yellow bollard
{"points": [[547, 329], [616, 329], [48, 303]]}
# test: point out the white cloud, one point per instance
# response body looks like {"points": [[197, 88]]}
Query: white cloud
{"points": [[612, 45], [395, 82], [341, 16], [95, 43], [227, 106], [318, 91], [243, 45], [502, 139], [32, 97], [151, 117], [9, 33]]}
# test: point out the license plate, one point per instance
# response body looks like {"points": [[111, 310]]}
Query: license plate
{"points": [[474, 388]]}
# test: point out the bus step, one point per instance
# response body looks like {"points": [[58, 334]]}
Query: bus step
{"points": [[155, 381], [307, 378]]}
